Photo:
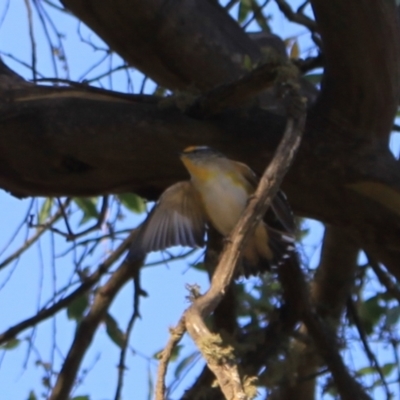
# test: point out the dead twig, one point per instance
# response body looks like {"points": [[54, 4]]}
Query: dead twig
{"points": [[219, 357], [176, 336]]}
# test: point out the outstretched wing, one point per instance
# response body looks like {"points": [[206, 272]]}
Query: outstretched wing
{"points": [[177, 219]]}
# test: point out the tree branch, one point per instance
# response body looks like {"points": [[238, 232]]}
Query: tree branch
{"points": [[362, 55], [297, 17], [176, 336], [330, 289], [219, 358], [200, 34], [87, 328], [322, 335]]}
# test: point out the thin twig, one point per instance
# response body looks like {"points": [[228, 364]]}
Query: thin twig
{"points": [[39, 232], [70, 235], [395, 344], [22, 223], [64, 214], [176, 336], [385, 279], [231, 4], [322, 334], [41, 13], [325, 342], [257, 13], [88, 326], [370, 354], [32, 37], [138, 292], [88, 283], [297, 17]]}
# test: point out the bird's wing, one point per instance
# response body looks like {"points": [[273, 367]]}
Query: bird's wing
{"points": [[283, 212], [280, 207], [178, 218], [248, 173]]}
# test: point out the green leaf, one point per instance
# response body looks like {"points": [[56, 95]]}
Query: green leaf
{"points": [[314, 78], [77, 308], [370, 312], [295, 50], [150, 384], [175, 352], [45, 210], [388, 368], [113, 331], [200, 266], [174, 355], [11, 344], [366, 370], [244, 9], [261, 19], [247, 63], [186, 362], [393, 315], [160, 91], [32, 395], [132, 202], [88, 206], [81, 398]]}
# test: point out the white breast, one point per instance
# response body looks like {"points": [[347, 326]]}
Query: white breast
{"points": [[224, 202]]}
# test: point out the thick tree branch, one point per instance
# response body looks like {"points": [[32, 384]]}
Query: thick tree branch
{"points": [[362, 58], [360, 92], [173, 42], [70, 128], [144, 134]]}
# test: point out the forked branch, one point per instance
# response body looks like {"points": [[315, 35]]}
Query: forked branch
{"points": [[220, 358]]}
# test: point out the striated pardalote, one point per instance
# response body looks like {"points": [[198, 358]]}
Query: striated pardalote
{"points": [[216, 194]]}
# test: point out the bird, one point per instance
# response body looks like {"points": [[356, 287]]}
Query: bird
{"points": [[216, 195]]}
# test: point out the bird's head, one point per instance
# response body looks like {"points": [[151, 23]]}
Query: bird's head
{"points": [[202, 162]]}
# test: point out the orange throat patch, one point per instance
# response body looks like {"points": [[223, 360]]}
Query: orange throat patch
{"points": [[199, 172]]}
